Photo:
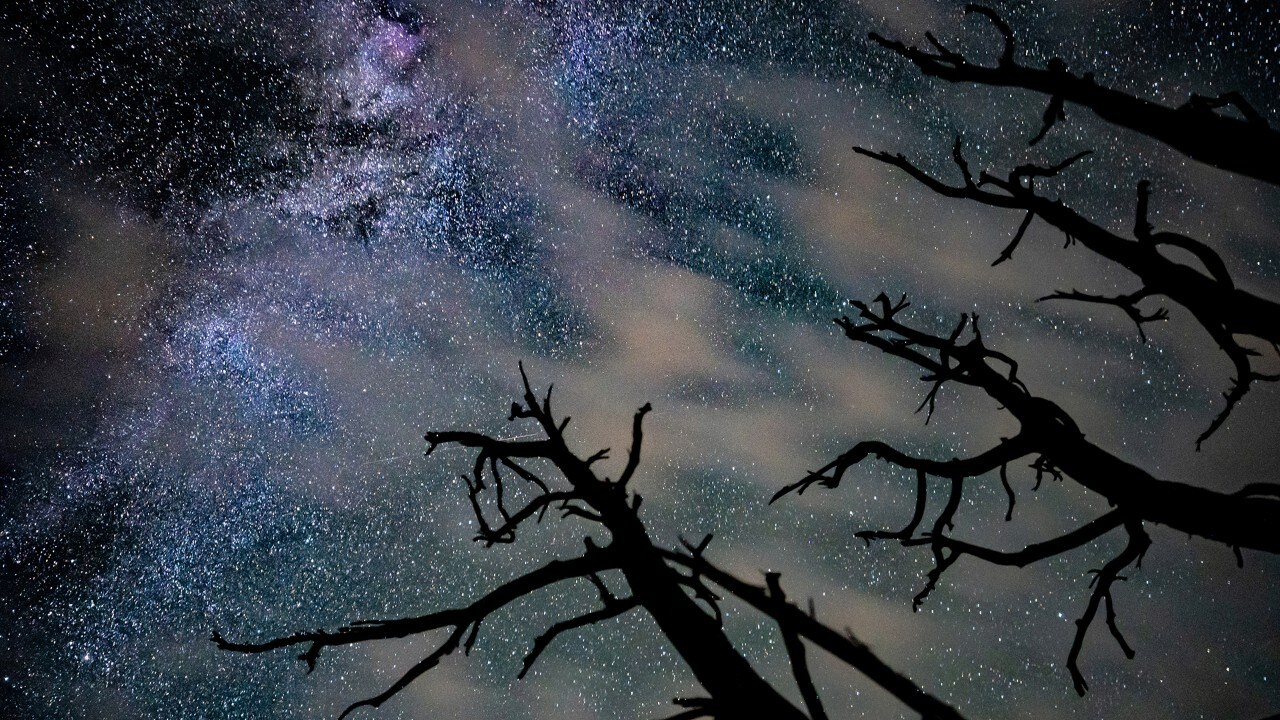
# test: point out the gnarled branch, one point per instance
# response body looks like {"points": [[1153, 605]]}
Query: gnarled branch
{"points": [[1047, 432], [795, 651], [1220, 307], [736, 688], [1139, 541], [1245, 146]]}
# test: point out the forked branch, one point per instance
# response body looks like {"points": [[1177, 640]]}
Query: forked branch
{"points": [[654, 586], [1245, 145], [1139, 541], [460, 620], [843, 646], [1050, 436], [612, 607], [1207, 292]]}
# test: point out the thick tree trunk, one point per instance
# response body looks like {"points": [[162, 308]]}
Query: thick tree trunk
{"points": [[737, 689]]}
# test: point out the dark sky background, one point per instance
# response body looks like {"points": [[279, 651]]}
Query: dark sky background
{"points": [[251, 251]]}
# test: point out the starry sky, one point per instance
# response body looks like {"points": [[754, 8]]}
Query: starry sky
{"points": [[253, 250]]}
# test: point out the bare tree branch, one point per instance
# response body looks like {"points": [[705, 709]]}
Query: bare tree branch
{"points": [[460, 619], [845, 647], [1133, 552], [1128, 303], [1243, 519], [1221, 308], [1245, 146], [916, 516], [697, 708], [1007, 252], [941, 559], [613, 607], [736, 688], [830, 475], [1032, 553], [414, 673], [637, 435], [795, 651], [1048, 431]]}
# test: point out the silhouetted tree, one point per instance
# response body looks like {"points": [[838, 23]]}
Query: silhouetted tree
{"points": [[674, 586], [1246, 518], [670, 585], [1249, 147]]}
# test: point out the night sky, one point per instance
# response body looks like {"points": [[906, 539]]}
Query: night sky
{"points": [[251, 251]]}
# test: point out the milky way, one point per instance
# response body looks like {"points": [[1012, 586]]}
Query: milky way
{"points": [[252, 252]]}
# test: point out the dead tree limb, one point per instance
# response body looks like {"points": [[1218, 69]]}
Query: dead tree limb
{"points": [[1246, 145], [1048, 437], [462, 621], [1245, 519], [1102, 581], [843, 646], [736, 688], [1222, 309], [795, 651], [668, 586]]}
